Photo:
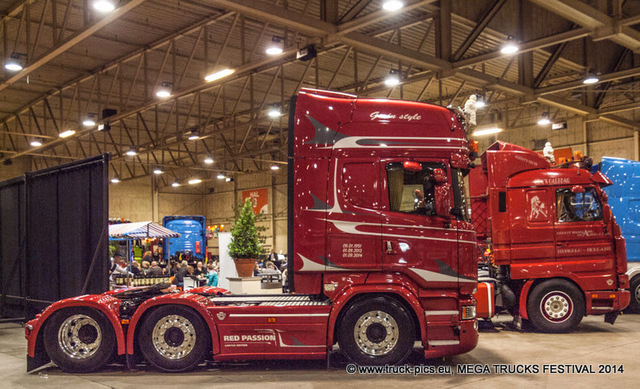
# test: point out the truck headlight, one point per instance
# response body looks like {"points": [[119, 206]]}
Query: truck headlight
{"points": [[468, 312]]}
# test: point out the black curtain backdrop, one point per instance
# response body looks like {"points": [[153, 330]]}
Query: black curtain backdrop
{"points": [[53, 227]]}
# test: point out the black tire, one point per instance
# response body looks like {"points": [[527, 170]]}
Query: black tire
{"points": [[79, 340], [634, 303], [556, 306], [386, 333], [174, 338]]}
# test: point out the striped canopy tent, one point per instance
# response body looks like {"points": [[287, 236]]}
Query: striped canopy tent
{"points": [[140, 230]]}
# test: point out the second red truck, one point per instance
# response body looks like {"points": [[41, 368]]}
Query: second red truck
{"points": [[556, 251]]}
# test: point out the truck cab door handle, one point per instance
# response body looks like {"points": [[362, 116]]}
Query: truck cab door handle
{"points": [[388, 247]]}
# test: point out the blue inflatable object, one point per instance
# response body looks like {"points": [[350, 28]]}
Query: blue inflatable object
{"points": [[624, 199]]}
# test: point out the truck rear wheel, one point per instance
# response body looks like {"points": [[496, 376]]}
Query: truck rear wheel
{"points": [[376, 331], [174, 338], [556, 306], [79, 339], [634, 303]]}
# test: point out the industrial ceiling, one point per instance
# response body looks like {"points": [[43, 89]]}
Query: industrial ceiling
{"points": [[79, 63]]}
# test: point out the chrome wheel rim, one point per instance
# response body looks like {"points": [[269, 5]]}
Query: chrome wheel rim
{"points": [[174, 337], [79, 337], [376, 333], [637, 293], [556, 306]]}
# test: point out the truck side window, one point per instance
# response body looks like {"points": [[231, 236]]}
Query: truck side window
{"points": [[578, 207], [411, 191]]}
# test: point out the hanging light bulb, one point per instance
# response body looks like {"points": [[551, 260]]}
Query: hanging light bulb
{"points": [[274, 111], [591, 78], [208, 160], [158, 170], [175, 184], [393, 78], [164, 91], [544, 119], [194, 135], [392, 5], [194, 181], [221, 176], [104, 6], [15, 62], [276, 47], [35, 142], [480, 103], [132, 152], [510, 46], [275, 167], [115, 180]]}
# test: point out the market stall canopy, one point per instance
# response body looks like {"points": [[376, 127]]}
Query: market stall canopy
{"points": [[140, 230]]}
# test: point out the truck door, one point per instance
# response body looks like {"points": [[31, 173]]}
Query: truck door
{"points": [[353, 220], [582, 242], [532, 231], [414, 240]]}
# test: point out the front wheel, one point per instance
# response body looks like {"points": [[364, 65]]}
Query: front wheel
{"points": [[634, 303], [376, 331], [556, 306], [79, 340], [174, 338]]}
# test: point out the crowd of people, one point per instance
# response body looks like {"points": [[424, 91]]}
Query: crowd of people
{"points": [[202, 273], [176, 270]]}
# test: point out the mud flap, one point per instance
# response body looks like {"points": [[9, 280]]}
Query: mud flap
{"points": [[611, 317], [39, 360]]}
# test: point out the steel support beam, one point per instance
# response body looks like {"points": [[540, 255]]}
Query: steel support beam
{"points": [[71, 42]]}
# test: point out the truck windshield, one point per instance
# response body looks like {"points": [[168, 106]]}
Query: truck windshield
{"points": [[578, 207], [461, 193]]}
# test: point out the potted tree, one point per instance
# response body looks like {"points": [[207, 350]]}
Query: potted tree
{"points": [[245, 245]]}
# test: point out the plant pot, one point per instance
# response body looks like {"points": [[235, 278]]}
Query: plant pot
{"points": [[245, 266]]}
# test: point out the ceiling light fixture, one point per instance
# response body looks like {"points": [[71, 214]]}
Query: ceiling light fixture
{"points": [[194, 181], [392, 5], [591, 78], [66, 134], [104, 6], [90, 120], [393, 78], [175, 184], [510, 46], [15, 62], [275, 167], [276, 47], [218, 75], [208, 160], [36, 142], [158, 170], [115, 180], [221, 176], [274, 111], [487, 131], [132, 152], [164, 91], [480, 102], [194, 135], [544, 119]]}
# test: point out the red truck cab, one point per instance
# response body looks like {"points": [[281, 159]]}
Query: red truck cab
{"points": [[557, 252]]}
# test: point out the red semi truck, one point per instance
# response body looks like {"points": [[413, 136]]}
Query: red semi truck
{"points": [[382, 255], [556, 251]]}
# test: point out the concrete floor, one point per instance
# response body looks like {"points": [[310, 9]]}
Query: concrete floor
{"points": [[594, 343]]}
